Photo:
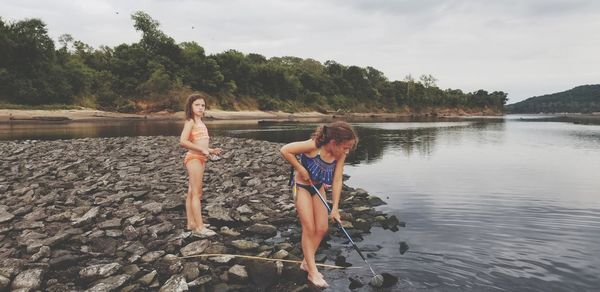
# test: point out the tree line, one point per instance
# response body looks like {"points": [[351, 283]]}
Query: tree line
{"points": [[155, 73], [581, 99]]}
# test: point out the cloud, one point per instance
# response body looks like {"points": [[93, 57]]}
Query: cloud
{"points": [[524, 48]]}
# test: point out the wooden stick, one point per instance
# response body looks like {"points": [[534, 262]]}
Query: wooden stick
{"points": [[261, 258]]}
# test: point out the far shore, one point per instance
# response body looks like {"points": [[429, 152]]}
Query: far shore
{"points": [[91, 115]]}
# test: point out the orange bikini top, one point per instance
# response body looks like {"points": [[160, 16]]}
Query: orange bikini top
{"points": [[199, 131]]}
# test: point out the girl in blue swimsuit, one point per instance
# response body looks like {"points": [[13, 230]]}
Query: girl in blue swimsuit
{"points": [[322, 165]]}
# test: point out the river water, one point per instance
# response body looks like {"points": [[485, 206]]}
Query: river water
{"points": [[489, 204]]}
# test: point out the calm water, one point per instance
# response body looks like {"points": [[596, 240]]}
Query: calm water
{"points": [[490, 205]]}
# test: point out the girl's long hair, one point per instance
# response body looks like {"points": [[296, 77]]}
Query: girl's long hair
{"points": [[338, 131], [189, 114]]}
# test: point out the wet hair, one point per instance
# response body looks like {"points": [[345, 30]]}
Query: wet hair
{"points": [[338, 131], [189, 114]]}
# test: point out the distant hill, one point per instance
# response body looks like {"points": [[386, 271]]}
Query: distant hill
{"points": [[581, 99]]}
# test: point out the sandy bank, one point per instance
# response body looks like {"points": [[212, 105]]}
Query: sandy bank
{"points": [[11, 115]]}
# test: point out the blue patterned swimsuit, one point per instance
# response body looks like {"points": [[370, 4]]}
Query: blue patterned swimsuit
{"points": [[321, 172]]}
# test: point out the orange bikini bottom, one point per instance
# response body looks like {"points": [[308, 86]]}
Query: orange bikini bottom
{"points": [[191, 156]]}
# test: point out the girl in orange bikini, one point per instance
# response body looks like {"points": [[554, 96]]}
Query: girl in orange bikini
{"points": [[194, 137], [321, 165]]}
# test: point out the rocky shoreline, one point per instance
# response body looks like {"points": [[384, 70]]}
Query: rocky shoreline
{"points": [[105, 214]]}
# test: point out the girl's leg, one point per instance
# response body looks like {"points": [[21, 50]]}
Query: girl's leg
{"points": [[196, 173], [191, 225], [304, 208], [321, 218]]}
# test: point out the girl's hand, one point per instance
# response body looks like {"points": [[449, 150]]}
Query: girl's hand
{"points": [[215, 151], [304, 175], [335, 215]]}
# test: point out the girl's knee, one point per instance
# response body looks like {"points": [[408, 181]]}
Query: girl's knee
{"points": [[321, 230], [309, 230]]}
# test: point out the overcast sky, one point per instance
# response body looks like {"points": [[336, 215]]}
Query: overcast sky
{"points": [[523, 47]]}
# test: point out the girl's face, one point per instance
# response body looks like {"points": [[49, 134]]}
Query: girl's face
{"points": [[198, 107], [342, 148]]}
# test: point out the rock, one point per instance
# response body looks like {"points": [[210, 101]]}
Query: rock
{"points": [[4, 283], [152, 256], [194, 248], [10, 267], [218, 213], [229, 232], [109, 284], [154, 207], [5, 216], [130, 232], [176, 283], [200, 281], [244, 209], [161, 228], [222, 259], [96, 201], [88, 217], [112, 223], [148, 278], [28, 279], [355, 283], [238, 273], [263, 229], [262, 274], [191, 271], [244, 244], [375, 201], [99, 271], [43, 252], [281, 254]]}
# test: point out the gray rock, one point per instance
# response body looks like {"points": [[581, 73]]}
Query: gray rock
{"points": [[281, 254], [176, 283], [43, 252], [130, 232], [191, 271], [219, 213], [194, 248], [88, 217], [263, 229], [10, 267], [154, 207], [200, 281], [152, 256], [5, 216], [109, 284], [244, 244], [99, 271], [29, 279], [148, 278], [112, 223], [4, 283], [238, 273]]}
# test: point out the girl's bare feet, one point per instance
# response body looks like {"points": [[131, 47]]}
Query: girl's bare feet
{"points": [[304, 268], [317, 280], [203, 232]]}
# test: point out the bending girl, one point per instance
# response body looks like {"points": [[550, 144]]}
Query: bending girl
{"points": [[322, 165]]}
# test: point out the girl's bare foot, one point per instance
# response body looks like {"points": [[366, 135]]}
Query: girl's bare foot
{"points": [[317, 280], [203, 232], [304, 268]]}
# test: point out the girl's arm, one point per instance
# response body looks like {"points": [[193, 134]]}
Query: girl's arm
{"points": [[184, 140], [289, 152], [338, 176]]}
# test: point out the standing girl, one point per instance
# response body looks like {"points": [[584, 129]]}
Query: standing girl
{"points": [[194, 137], [321, 165]]}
